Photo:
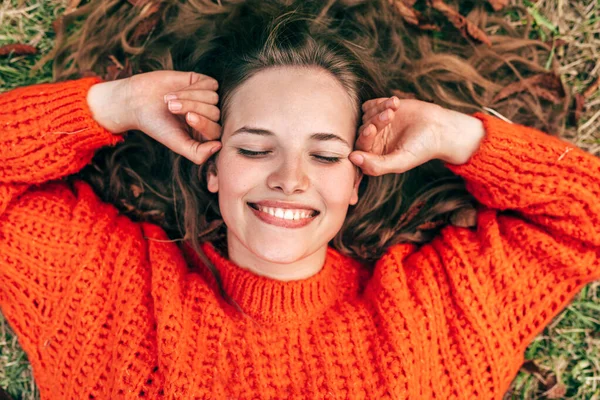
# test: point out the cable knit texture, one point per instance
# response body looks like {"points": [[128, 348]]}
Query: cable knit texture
{"points": [[105, 309]]}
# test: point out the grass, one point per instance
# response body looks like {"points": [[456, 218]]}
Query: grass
{"points": [[566, 354]]}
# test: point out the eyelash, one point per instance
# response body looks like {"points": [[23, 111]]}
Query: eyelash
{"points": [[252, 154]]}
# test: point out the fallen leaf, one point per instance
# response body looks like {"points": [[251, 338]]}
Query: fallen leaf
{"points": [[498, 5], [412, 16], [151, 16], [17, 49], [117, 70], [557, 391], [466, 27], [144, 28], [407, 13], [546, 85]]}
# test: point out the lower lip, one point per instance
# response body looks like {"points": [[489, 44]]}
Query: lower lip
{"points": [[286, 223]]}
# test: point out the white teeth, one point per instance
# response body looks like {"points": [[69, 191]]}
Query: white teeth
{"points": [[286, 213]]}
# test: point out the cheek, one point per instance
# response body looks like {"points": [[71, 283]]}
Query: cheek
{"points": [[336, 185], [235, 176]]}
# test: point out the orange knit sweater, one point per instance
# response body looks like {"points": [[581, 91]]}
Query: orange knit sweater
{"points": [[105, 310]]}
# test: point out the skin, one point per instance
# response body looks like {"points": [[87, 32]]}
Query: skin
{"points": [[395, 136], [293, 103]]}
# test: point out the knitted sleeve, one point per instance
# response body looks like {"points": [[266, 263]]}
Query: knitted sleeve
{"points": [[47, 229], [537, 240]]}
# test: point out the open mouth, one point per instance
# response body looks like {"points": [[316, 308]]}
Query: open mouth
{"points": [[298, 214]]}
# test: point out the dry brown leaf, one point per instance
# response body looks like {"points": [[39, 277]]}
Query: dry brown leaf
{"points": [[117, 71], [498, 5], [406, 12], [17, 49], [557, 391], [412, 16], [151, 16], [466, 27], [546, 85], [144, 28]]}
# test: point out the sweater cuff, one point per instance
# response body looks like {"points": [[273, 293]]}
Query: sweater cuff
{"points": [[50, 131], [506, 169]]}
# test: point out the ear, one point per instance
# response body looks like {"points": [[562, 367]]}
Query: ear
{"points": [[354, 197], [212, 179]]}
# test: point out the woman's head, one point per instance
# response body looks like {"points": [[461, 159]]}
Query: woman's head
{"points": [[302, 122], [291, 91]]}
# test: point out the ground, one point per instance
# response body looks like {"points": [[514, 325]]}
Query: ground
{"points": [[563, 361]]}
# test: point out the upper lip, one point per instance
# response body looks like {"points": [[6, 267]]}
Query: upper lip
{"points": [[281, 204]]}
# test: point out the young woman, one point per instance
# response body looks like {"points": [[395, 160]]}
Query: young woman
{"points": [[298, 189]]}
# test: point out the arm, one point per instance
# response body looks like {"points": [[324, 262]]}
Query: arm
{"points": [[538, 235], [48, 132]]}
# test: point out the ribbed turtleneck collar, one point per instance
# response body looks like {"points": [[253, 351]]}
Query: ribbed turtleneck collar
{"points": [[270, 301]]}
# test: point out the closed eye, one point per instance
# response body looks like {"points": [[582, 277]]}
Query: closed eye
{"points": [[256, 154]]}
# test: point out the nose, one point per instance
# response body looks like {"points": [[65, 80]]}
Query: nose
{"points": [[289, 177]]}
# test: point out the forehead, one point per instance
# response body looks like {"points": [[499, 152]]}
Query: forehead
{"points": [[293, 98]]}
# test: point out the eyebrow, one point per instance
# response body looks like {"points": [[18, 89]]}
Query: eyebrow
{"points": [[314, 136]]}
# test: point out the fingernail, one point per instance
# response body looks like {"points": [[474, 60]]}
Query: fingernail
{"points": [[193, 118], [367, 131], [383, 116], [215, 149], [170, 97], [174, 105]]}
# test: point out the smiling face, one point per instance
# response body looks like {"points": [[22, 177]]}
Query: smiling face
{"points": [[301, 121]]}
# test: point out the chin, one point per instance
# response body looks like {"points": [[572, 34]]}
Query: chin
{"points": [[278, 255]]}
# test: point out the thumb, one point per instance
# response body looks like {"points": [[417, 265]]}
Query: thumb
{"points": [[396, 162], [182, 143]]}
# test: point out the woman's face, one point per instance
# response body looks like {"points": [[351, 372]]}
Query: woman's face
{"points": [[303, 119]]}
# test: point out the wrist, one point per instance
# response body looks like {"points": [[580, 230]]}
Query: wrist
{"points": [[108, 104], [467, 134]]}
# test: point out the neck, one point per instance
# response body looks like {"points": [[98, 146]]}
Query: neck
{"points": [[284, 270]]}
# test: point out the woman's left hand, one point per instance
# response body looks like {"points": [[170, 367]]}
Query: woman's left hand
{"points": [[413, 133]]}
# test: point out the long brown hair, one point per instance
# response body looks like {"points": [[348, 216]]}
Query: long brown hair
{"points": [[363, 43]]}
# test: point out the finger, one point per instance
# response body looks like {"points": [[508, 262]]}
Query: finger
{"points": [[381, 120], [210, 130], [182, 143], [370, 103], [381, 164], [184, 79], [182, 107], [204, 96], [203, 83], [391, 103], [375, 142], [373, 108]]}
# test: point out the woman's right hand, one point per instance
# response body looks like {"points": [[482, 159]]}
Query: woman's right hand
{"points": [[138, 102]]}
